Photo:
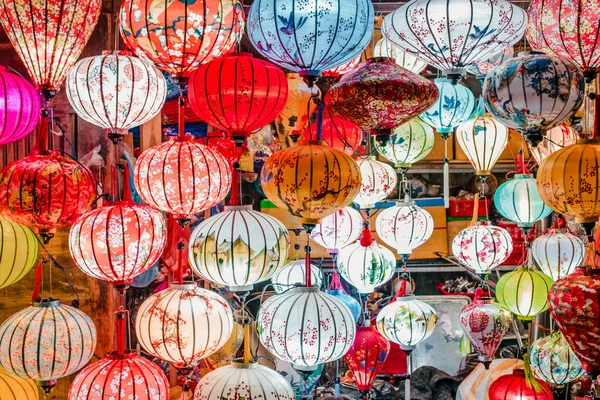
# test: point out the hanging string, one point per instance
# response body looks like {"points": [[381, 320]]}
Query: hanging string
{"points": [[446, 174], [475, 211], [320, 115], [180, 248], [307, 260], [126, 184]]}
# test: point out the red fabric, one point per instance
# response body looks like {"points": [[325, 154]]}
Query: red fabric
{"points": [[38, 281], [515, 387], [367, 355], [340, 134], [395, 364], [366, 238]]}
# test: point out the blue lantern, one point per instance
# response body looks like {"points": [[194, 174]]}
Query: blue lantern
{"points": [[337, 290], [519, 201], [310, 36]]}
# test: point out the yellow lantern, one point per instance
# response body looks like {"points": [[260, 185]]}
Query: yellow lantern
{"points": [[299, 107], [13, 387], [19, 252]]}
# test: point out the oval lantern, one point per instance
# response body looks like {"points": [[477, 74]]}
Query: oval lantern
{"points": [[553, 361], [482, 139], [519, 201], [20, 105], [19, 252], [294, 274], [410, 142], [379, 180], [557, 253], [239, 247], [338, 230], [366, 356], [298, 109], [385, 48], [554, 139], [482, 247], [516, 386], [338, 133], [13, 387], [524, 292]]}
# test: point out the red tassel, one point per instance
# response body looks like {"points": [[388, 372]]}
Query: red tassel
{"points": [[478, 293], [120, 333], [38, 281], [401, 290], [335, 284], [126, 188], [366, 238]]}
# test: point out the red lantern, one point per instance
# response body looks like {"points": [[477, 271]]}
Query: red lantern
{"points": [[238, 94], [338, 133], [367, 355], [516, 387], [226, 146]]}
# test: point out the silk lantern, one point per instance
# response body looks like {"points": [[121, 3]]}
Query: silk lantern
{"points": [[379, 180], [451, 35], [385, 48], [19, 252], [239, 247], [516, 386], [410, 142], [299, 107], [557, 253], [337, 290], [46, 341], [294, 274], [13, 387], [338, 133], [286, 321], [553, 361], [524, 292], [338, 230], [554, 139], [482, 247], [20, 105], [482, 139], [366, 356], [519, 201]]}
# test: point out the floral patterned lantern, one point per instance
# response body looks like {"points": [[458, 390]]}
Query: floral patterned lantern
{"points": [[378, 181], [183, 324], [366, 356], [46, 341], [299, 107], [524, 292], [338, 230], [13, 387], [409, 143], [516, 386], [20, 105], [239, 247], [385, 48], [116, 91], [554, 140], [482, 247], [519, 201], [451, 35], [285, 321], [294, 274], [481, 69], [557, 253], [19, 252], [338, 133], [483, 139], [553, 361]]}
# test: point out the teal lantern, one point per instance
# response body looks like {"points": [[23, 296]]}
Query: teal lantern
{"points": [[519, 201]]}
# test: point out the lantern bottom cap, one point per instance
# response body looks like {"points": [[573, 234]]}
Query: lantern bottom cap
{"points": [[305, 368], [310, 221], [245, 288], [483, 172]]}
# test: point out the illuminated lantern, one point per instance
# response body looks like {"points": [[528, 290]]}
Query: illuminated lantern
{"points": [[378, 181], [409, 143], [184, 34], [338, 230], [19, 252], [343, 69], [553, 361], [512, 94], [337, 290], [66, 25], [481, 69], [340, 134], [238, 94], [483, 140], [13, 387], [294, 274], [554, 140], [519, 201], [366, 356], [285, 321], [451, 35], [516, 386], [310, 181], [20, 105], [299, 106], [279, 30], [116, 91], [238, 247], [389, 96], [182, 177], [524, 292], [183, 324], [46, 341], [557, 254], [385, 48], [226, 353], [482, 247], [225, 145]]}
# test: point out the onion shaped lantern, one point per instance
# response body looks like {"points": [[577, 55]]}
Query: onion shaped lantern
{"points": [[239, 247], [20, 105], [116, 91], [338, 230], [13, 387], [410, 142], [378, 181], [483, 139], [385, 48], [554, 139], [19, 252], [337, 290], [482, 247], [524, 292], [553, 361], [557, 253], [519, 201], [294, 274], [299, 108], [183, 324], [46, 341], [481, 69], [285, 321], [366, 356], [338, 133], [516, 386]]}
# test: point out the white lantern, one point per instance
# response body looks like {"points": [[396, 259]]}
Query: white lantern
{"points": [[385, 48], [305, 327], [239, 247], [554, 139], [483, 139], [338, 229], [183, 324], [409, 143], [482, 247], [294, 274], [378, 182], [519, 201], [557, 254]]}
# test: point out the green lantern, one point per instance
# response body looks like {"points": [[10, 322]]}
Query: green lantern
{"points": [[524, 292]]}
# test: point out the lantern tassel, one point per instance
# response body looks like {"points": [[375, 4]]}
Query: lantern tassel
{"points": [[335, 284], [247, 351], [181, 122], [366, 238], [529, 376], [475, 210], [120, 322], [38, 281], [307, 270]]}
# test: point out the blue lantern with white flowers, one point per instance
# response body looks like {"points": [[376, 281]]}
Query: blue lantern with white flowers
{"points": [[519, 201]]}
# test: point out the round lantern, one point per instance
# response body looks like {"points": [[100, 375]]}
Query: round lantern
{"points": [[116, 91], [182, 177], [338, 230], [483, 140], [279, 31], [389, 96], [378, 181], [294, 274], [118, 242], [519, 201], [337, 290], [553, 361], [238, 247], [482, 247], [338, 133], [516, 386], [13, 387], [524, 292], [404, 227], [366, 356], [453, 107], [554, 140], [120, 377], [66, 25], [311, 180], [46, 341], [46, 191], [557, 254], [184, 34], [409, 143], [385, 48], [451, 35], [20, 105], [299, 107], [238, 94], [183, 324], [305, 327], [244, 381], [19, 252], [533, 93], [481, 69]]}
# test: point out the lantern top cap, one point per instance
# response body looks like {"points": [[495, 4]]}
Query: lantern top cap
{"points": [[588, 141], [408, 297], [183, 286], [523, 176], [305, 289], [381, 59], [44, 303], [239, 54], [113, 355], [240, 365], [311, 142], [246, 207], [530, 53], [123, 53]]}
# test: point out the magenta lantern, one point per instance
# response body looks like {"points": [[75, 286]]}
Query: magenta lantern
{"points": [[19, 107]]}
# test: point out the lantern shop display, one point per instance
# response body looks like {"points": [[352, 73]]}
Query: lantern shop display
{"points": [[13, 387], [482, 247], [524, 292], [515, 386], [20, 105], [338, 230], [519, 201], [554, 139], [338, 133], [239, 247], [385, 48], [367, 355], [557, 253], [299, 108], [294, 274], [482, 139], [410, 142], [553, 361], [337, 290], [379, 180], [19, 252]]}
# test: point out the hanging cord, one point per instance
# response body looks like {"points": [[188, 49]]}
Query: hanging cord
{"points": [[122, 323], [307, 260]]}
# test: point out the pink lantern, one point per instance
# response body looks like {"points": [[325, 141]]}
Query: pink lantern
{"points": [[20, 105]]}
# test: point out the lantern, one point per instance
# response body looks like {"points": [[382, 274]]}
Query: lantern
{"points": [[182, 177], [338, 230], [337, 290], [409, 143], [226, 353], [280, 30], [389, 96], [553, 361], [533, 93], [385, 48], [244, 381], [184, 34], [305, 327], [238, 94], [239, 247], [378, 181], [451, 35], [481, 69], [483, 140], [366, 356], [294, 274], [299, 107], [120, 377], [66, 25], [13, 387], [46, 341], [20, 105], [555, 139], [19, 252], [183, 324], [516, 386], [482, 247], [518, 200], [311, 180], [338, 133], [116, 91], [524, 292], [337, 72], [557, 253]]}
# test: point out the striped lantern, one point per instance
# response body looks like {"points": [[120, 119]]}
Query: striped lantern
{"points": [[553, 361], [338, 133], [20, 107], [518, 386], [379, 180], [482, 247], [367, 355], [409, 143], [554, 139], [557, 253], [482, 139], [238, 247], [385, 48], [524, 292], [294, 274], [338, 230], [13, 387], [19, 252], [519, 201]]}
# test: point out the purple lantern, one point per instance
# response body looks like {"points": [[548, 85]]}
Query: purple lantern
{"points": [[19, 107]]}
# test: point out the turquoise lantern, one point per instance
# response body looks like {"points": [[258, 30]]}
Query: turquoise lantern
{"points": [[519, 201]]}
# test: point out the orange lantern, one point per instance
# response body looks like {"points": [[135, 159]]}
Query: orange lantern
{"points": [[299, 107]]}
